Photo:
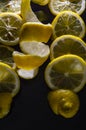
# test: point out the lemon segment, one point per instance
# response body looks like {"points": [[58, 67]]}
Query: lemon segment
{"points": [[27, 74], [33, 31], [68, 22], [5, 104], [9, 80], [67, 44], [66, 72], [57, 6], [10, 6], [10, 24], [64, 102], [41, 2]]}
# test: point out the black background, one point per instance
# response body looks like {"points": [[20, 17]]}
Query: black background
{"points": [[30, 109]]}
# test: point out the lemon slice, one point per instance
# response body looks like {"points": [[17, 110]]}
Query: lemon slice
{"points": [[36, 54], [10, 6], [68, 44], [10, 24], [27, 74], [68, 22], [6, 55], [31, 31], [64, 102], [41, 2], [9, 81], [5, 103], [66, 72], [57, 6]]}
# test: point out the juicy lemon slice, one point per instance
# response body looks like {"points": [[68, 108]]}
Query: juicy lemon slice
{"points": [[9, 81], [64, 102], [41, 2], [57, 6], [10, 6], [10, 24], [36, 54], [68, 44], [27, 74], [5, 103], [7, 57], [68, 22], [66, 72], [31, 31]]}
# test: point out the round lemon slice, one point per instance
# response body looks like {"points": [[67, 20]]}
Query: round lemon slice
{"points": [[57, 6], [6, 55], [34, 31], [10, 24], [66, 72], [67, 44], [64, 102], [35, 54], [10, 6], [5, 103], [68, 22], [9, 80]]}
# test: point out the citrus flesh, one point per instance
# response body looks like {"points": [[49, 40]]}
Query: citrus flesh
{"points": [[67, 44], [9, 80], [5, 103], [64, 102], [57, 6], [68, 22], [6, 55], [66, 72], [10, 24]]}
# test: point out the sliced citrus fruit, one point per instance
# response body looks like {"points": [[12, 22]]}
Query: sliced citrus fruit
{"points": [[68, 44], [68, 22], [27, 74], [31, 31], [10, 6], [57, 6], [36, 54], [64, 102], [10, 24], [5, 103], [9, 80], [66, 72], [41, 2], [6, 55]]}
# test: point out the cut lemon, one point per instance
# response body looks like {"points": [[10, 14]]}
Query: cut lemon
{"points": [[64, 102], [9, 81], [10, 6], [6, 55], [66, 72], [27, 74], [10, 24], [41, 2], [68, 44], [57, 6], [36, 54], [5, 103], [34, 31], [68, 22]]}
